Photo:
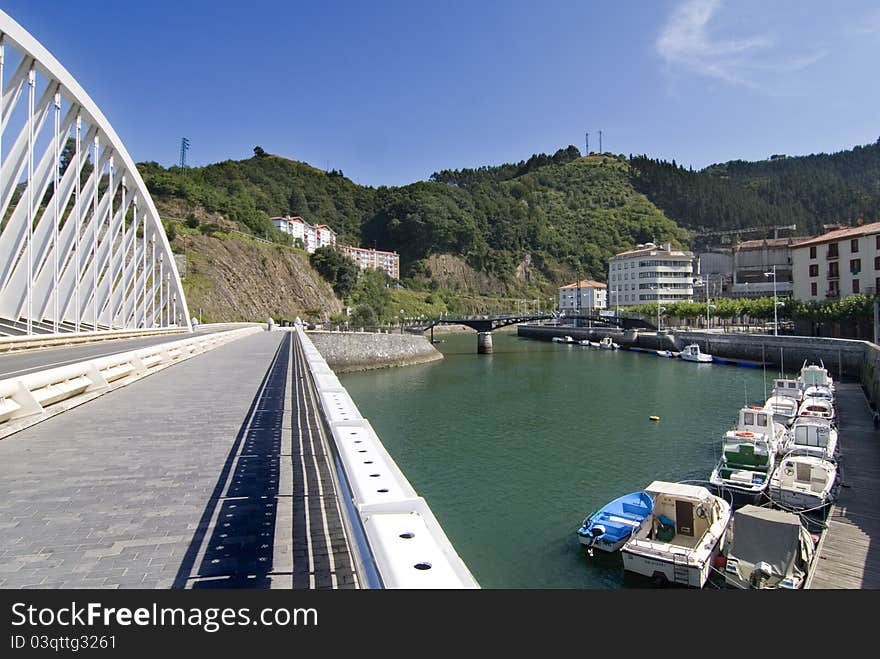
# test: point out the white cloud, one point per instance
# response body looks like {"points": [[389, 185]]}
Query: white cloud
{"points": [[695, 39]]}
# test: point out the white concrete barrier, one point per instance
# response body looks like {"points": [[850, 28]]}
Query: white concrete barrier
{"points": [[32, 398], [39, 341], [407, 543]]}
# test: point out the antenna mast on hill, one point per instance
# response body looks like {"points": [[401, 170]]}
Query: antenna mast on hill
{"points": [[600, 142], [184, 147], [587, 152]]}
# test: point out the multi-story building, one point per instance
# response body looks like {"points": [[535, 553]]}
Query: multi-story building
{"points": [[325, 236], [312, 237], [375, 258], [650, 273], [592, 294], [753, 259], [838, 263]]}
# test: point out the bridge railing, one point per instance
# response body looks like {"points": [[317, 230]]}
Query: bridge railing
{"points": [[407, 544], [34, 397]]}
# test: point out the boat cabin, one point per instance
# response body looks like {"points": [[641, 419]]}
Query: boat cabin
{"points": [[789, 388], [817, 437], [756, 420], [815, 376], [682, 514]]}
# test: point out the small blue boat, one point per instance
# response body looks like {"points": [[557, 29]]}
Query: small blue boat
{"points": [[612, 525]]}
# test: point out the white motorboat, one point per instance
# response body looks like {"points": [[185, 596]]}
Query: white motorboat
{"points": [[562, 339], [666, 353], [692, 353], [819, 391], [812, 436], [585, 342], [820, 408], [788, 388], [680, 539], [815, 375], [783, 408], [759, 421], [768, 549], [746, 464], [607, 344], [804, 482]]}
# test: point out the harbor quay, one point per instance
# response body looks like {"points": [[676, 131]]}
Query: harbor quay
{"points": [[845, 555]]}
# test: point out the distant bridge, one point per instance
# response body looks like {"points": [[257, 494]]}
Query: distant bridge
{"points": [[485, 325]]}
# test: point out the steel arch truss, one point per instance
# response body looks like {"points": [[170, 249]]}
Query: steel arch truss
{"points": [[81, 244]]}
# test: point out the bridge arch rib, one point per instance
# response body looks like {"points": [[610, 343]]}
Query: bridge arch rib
{"points": [[81, 244]]}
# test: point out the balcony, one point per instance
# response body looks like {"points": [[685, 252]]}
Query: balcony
{"points": [[833, 294], [833, 275], [832, 254]]}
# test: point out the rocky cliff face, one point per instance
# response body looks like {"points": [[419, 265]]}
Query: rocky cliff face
{"points": [[241, 280]]}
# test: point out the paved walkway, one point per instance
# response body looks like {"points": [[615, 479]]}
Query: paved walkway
{"points": [[211, 473], [849, 556]]}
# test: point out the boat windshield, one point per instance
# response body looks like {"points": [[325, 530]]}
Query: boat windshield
{"points": [[754, 419], [812, 436]]}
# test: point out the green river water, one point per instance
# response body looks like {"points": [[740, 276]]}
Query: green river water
{"points": [[513, 450]]}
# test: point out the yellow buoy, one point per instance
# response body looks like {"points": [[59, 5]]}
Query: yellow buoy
{"points": [[654, 418]]}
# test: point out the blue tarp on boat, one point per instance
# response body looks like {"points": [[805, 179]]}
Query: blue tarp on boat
{"points": [[617, 520]]}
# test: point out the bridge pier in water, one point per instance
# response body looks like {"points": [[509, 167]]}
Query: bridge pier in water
{"points": [[484, 343]]}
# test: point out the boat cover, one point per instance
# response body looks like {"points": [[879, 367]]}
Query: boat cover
{"points": [[768, 536]]}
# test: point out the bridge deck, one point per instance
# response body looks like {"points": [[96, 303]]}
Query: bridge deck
{"points": [[848, 556], [209, 474]]}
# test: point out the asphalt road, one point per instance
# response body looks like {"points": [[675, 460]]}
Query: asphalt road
{"points": [[22, 363]]}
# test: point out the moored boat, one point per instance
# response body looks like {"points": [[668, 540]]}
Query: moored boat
{"points": [[612, 525], [812, 436], [692, 353], [768, 549], [607, 344], [820, 408], [804, 482], [814, 375], [679, 540], [746, 464]]}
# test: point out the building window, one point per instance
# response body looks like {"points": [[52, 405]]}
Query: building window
{"points": [[813, 289], [855, 266], [855, 285], [877, 263], [878, 242], [833, 272], [813, 251], [854, 245], [814, 269], [832, 251]]}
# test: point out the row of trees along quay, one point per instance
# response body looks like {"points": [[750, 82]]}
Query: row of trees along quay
{"points": [[730, 311]]}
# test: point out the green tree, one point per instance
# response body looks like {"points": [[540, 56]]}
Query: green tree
{"points": [[336, 268]]}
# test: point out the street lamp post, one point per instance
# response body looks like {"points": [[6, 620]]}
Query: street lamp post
{"points": [[775, 304]]}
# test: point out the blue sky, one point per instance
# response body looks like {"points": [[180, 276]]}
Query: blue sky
{"points": [[390, 91]]}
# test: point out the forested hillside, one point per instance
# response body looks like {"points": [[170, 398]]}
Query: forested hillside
{"points": [[524, 228], [521, 229], [808, 191]]}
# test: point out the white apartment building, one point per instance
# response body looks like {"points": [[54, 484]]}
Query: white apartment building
{"points": [[375, 258], [650, 273], [312, 237], [837, 264], [593, 295]]}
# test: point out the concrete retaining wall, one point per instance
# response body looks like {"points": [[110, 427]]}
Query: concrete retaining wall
{"points": [[353, 351]]}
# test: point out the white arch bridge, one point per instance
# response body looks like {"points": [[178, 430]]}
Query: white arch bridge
{"points": [[82, 248], [145, 462]]}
